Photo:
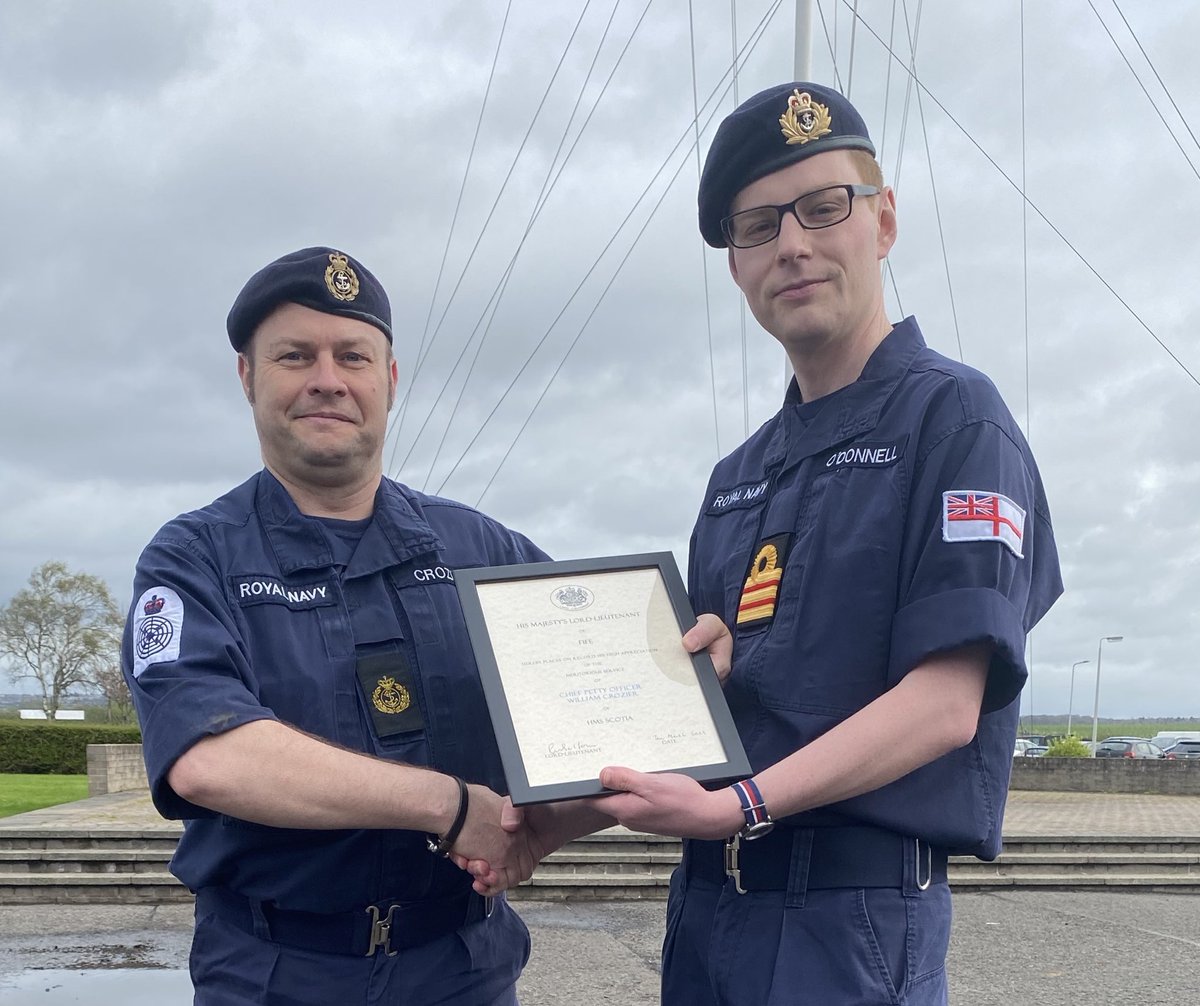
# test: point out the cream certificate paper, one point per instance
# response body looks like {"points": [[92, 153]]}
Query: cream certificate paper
{"points": [[595, 674]]}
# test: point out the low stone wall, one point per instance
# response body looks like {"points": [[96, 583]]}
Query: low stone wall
{"points": [[1107, 775], [115, 768]]}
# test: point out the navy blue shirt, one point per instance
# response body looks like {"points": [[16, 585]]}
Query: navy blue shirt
{"points": [[853, 537], [244, 612]]}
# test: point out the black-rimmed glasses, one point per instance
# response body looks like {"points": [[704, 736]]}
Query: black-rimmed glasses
{"points": [[813, 210]]}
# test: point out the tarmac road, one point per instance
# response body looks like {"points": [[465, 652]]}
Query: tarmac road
{"points": [[1021, 948]]}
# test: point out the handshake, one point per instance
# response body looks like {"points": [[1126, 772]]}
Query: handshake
{"points": [[501, 845]]}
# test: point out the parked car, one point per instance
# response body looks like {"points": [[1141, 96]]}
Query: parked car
{"points": [[1183, 749], [1041, 740], [1022, 746], [1167, 739], [1128, 747], [1036, 750]]}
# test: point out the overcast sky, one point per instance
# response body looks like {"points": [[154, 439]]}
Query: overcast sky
{"points": [[155, 153]]}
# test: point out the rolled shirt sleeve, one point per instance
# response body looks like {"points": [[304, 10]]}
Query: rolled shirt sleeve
{"points": [[198, 682], [979, 563]]}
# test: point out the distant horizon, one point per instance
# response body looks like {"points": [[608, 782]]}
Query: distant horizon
{"points": [[18, 700]]}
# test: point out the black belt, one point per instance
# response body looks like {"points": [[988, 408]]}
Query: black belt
{"points": [[817, 859], [388, 925]]}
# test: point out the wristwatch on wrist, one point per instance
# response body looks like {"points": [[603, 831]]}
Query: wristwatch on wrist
{"points": [[758, 821]]}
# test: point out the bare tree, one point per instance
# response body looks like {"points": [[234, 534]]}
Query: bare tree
{"points": [[117, 697], [61, 630]]}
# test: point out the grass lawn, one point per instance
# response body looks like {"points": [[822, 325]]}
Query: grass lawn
{"points": [[19, 793]]}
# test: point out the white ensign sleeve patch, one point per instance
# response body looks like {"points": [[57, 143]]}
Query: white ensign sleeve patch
{"points": [[157, 628], [975, 515]]}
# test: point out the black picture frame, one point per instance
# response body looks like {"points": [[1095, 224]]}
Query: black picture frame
{"points": [[470, 582]]}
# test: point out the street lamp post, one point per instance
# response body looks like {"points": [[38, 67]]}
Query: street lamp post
{"points": [[1096, 704], [1071, 694]]}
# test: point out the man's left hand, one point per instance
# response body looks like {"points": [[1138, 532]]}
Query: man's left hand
{"points": [[711, 634]]}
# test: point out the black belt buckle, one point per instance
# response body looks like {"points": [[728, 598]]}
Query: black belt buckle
{"points": [[733, 848], [381, 932]]}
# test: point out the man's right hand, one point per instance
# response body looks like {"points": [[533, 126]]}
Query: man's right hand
{"points": [[496, 834]]}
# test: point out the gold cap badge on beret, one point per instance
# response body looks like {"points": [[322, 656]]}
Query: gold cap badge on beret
{"points": [[804, 119], [340, 278]]}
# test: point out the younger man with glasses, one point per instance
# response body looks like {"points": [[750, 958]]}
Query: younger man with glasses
{"points": [[879, 550]]}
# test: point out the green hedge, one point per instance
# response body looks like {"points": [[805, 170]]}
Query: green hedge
{"points": [[36, 748]]}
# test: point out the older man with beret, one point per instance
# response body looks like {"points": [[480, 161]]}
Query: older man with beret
{"points": [[879, 549], [309, 702]]}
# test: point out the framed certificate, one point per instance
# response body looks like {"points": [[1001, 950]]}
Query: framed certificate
{"points": [[583, 666]]}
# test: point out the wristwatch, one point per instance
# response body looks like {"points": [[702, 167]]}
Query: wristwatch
{"points": [[758, 821]]}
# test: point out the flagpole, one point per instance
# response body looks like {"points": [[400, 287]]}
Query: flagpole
{"points": [[801, 70], [802, 58]]}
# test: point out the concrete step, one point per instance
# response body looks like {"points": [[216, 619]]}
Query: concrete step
{"points": [[95, 888], [1062, 863], [159, 839], [1147, 881], [162, 888], [130, 866], [84, 861], [585, 886], [1101, 844]]}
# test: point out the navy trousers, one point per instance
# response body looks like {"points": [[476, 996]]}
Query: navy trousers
{"points": [[476, 966], [840, 947]]}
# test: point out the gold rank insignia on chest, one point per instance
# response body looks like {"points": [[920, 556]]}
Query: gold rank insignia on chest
{"points": [[761, 589]]}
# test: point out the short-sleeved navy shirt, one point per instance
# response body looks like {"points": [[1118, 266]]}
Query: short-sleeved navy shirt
{"points": [[243, 612], [851, 538]]}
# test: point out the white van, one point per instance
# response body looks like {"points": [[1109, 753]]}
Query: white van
{"points": [[1165, 739]]}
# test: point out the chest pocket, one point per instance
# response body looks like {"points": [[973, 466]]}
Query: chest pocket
{"points": [[826, 649], [291, 630], [719, 559], [391, 698], [457, 725]]}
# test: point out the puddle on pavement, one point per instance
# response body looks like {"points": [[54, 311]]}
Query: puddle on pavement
{"points": [[125, 987]]}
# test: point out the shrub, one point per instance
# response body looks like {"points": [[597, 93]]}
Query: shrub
{"points": [[1068, 747], [55, 748]]}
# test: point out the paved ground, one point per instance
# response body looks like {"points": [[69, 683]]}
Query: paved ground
{"points": [[1018, 948], [1028, 813], [1022, 948], [1080, 814]]}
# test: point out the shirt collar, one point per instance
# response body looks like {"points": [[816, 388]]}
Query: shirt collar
{"points": [[396, 534], [807, 428]]}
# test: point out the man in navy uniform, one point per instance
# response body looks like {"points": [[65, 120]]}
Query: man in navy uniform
{"points": [[309, 701], [879, 550]]}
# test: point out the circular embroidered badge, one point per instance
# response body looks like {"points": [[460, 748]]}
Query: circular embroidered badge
{"points": [[154, 635]]}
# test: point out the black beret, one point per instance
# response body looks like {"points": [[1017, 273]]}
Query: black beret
{"points": [[775, 128], [320, 278]]}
